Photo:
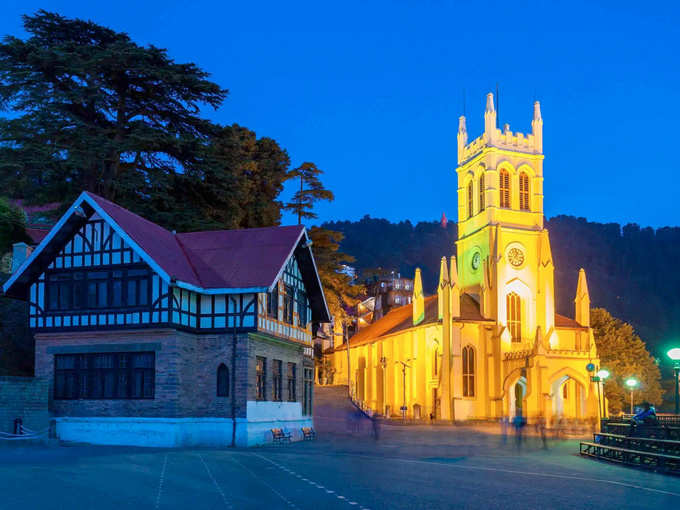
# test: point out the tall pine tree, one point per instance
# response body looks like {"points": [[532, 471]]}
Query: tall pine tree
{"points": [[93, 110]]}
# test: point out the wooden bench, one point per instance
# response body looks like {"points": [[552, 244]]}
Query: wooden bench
{"points": [[663, 446], [308, 433], [644, 459], [279, 436]]}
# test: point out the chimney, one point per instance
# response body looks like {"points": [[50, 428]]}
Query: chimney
{"points": [[20, 252]]}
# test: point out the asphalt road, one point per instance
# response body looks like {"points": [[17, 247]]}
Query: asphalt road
{"points": [[408, 468]]}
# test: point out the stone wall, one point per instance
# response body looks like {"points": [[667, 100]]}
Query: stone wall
{"points": [[25, 398]]}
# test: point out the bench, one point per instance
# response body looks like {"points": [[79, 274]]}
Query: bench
{"points": [[664, 446], [308, 433], [279, 436], [648, 460]]}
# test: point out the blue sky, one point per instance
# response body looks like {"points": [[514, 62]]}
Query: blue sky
{"points": [[371, 91]]}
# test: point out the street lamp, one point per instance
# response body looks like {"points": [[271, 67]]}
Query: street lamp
{"points": [[404, 366], [632, 383], [674, 354], [602, 375]]}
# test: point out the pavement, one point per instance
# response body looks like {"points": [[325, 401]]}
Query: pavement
{"points": [[407, 468]]}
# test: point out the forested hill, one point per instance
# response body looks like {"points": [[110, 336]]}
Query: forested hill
{"points": [[632, 271]]}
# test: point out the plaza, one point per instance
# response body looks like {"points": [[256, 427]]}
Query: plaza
{"points": [[408, 467]]}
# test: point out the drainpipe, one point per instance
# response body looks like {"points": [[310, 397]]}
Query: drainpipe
{"points": [[233, 376]]}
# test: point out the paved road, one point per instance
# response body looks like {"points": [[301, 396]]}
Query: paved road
{"points": [[408, 468]]}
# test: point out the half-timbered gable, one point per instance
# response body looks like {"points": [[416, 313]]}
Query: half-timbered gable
{"points": [[100, 277]]}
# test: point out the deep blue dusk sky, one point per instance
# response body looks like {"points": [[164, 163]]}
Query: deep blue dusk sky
{"points": [[371, 91]]}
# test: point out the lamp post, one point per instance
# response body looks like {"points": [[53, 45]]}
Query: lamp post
{"points": [[383, 364], [404, 366], [674, 354], [602, 375], [632, 383]]}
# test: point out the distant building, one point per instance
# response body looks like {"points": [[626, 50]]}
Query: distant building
{"points": [[389, 291], [160, 339]]}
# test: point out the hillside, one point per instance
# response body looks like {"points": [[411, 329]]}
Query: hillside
{"points": [[631, 270]]}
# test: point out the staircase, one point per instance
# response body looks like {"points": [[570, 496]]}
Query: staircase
{"points": [[335, 413]]}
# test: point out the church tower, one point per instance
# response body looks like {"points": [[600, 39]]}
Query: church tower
{"points": [[504, 256]]}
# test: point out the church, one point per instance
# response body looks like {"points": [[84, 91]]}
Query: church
{"points": [[489, 344]]}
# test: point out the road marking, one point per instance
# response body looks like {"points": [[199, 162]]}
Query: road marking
{"points": [[219, 489], [160, 482], [263, 482], [528, 473], [310, 482]]}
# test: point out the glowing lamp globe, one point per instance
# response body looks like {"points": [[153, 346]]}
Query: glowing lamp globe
{"points": [[674, 354], [603, 374], [631, 383]]}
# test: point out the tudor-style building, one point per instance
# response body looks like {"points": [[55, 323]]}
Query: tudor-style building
{"points": [[149, 337]]}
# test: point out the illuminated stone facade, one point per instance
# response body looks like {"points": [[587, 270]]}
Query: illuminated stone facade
{"points": [[489, 344]]}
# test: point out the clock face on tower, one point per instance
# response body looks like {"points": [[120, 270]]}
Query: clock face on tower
{"points": [[476, 260], [516, 257]]}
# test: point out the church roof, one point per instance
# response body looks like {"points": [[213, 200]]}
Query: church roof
{"points": [[562, 321], [401, 319]]}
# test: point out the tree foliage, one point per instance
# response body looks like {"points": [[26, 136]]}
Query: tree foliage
{"points": [[340, 291], [311, 190], [625, 355], [12, 226], [96, 111]]}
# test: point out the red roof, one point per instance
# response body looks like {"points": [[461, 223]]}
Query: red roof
{"points": [[210, 259], [565, 322], [36, 234]]}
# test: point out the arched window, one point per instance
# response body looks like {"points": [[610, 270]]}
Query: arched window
{"points": [[514, 305], [565, 391], [436, 360], [222, 381], [481, 192], [504, 186], [524, 191], [468, 371], [470, 199]]}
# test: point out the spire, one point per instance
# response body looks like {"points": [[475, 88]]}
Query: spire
{"points": [[582, 300], [442, 287], [462, 137], [444, 221], [455, 289], [537, 111], [490, 108], [537, 128], [490, 118], [453, 272], [418, 299]]}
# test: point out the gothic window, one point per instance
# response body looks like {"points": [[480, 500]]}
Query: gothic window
{"points": [[524, 191], [436, 360], [565, 391], [514, 310], [504, 186], [468, 371], [481, 192], [470, 200], [222, 381]]}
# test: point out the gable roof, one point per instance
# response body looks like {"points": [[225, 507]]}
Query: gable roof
{"points": [[210, 262]]}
